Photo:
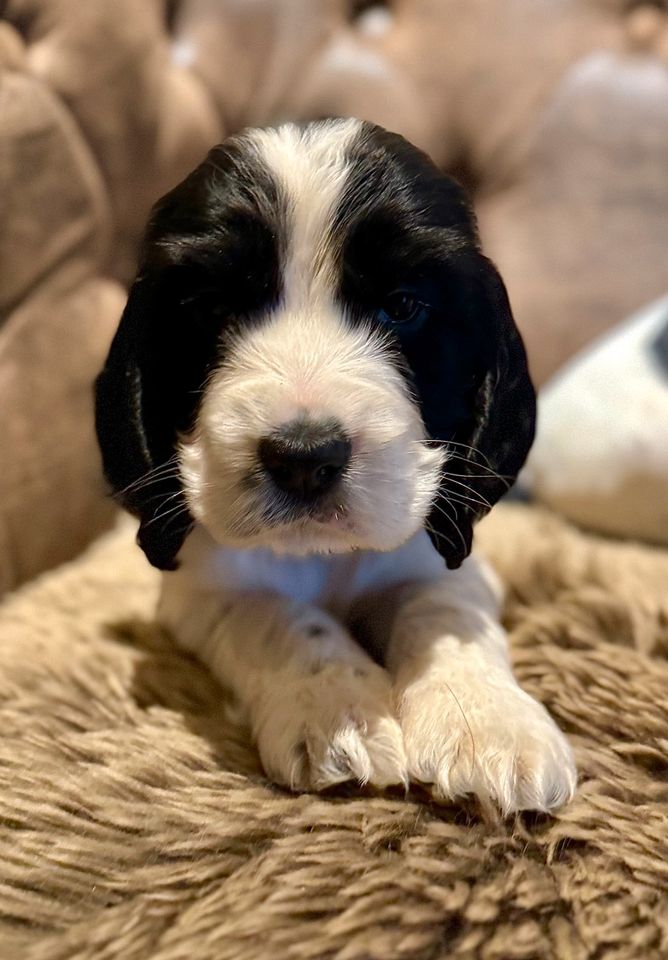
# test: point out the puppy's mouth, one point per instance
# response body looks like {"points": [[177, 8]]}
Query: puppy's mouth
{"points": [[320, 515]]}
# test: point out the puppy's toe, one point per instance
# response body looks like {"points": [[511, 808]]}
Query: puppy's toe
{"points": [[367, 748], [334, 728], [544, 771]]}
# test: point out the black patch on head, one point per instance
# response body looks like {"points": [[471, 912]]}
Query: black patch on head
{"points": [[660, 348], [209, 263], [410, 253]]}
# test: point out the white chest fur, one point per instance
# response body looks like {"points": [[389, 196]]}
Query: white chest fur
{"points": [[209, 577]]}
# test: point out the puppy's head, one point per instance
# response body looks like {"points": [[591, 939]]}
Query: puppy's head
{"points": [[315, 355]]}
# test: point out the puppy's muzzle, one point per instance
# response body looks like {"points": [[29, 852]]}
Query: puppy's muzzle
{"points": [[304, 459]]}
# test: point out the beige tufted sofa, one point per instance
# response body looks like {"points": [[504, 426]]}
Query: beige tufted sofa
{"points": [[554, 114]]}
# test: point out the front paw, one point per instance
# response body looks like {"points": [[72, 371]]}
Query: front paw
{"points": [[336, 725], [485, 737]]}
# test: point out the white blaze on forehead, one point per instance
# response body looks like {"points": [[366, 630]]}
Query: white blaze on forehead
{"points": [[310, 167]]}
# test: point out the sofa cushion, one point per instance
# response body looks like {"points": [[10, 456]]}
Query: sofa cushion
{"points": [[96, 121]]}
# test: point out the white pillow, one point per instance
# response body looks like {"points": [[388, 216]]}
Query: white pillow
{"points": [[601, 451]]}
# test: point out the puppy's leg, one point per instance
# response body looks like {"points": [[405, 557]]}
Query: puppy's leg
{"points": [[319, 708], [468, 727]]}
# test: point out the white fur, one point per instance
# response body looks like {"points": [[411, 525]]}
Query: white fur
{"points": [[447, 710], [266, 600], [468, 726], [308, 362], [310, 166]]}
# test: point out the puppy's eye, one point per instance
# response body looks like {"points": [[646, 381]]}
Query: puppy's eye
{"points": [[402, 310]]}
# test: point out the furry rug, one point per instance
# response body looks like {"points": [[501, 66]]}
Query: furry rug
{"points": [[134, 822]]}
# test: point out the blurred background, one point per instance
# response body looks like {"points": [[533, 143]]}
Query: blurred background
{"points": [[553, 113]]}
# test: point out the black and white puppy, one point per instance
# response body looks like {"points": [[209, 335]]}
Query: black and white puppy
{"points": [[315, 390]]}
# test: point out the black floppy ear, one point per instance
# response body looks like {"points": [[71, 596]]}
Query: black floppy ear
{"points": [[209, 253], [484, 458], [137, 425]]}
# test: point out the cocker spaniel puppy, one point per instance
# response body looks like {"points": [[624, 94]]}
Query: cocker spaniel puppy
{"points": [[316, 388]]}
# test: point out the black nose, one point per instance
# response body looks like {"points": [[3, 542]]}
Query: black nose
{"points": [[305, 461]]}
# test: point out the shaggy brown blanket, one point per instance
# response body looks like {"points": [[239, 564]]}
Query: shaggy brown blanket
{"points": [[135, 824]]}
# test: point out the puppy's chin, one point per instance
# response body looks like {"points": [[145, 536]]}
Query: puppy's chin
{"points": [[336, 536], [300, 541], [331, 531]]}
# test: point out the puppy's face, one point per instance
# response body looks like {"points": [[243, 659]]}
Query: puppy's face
{"points": [[315, 355]]}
